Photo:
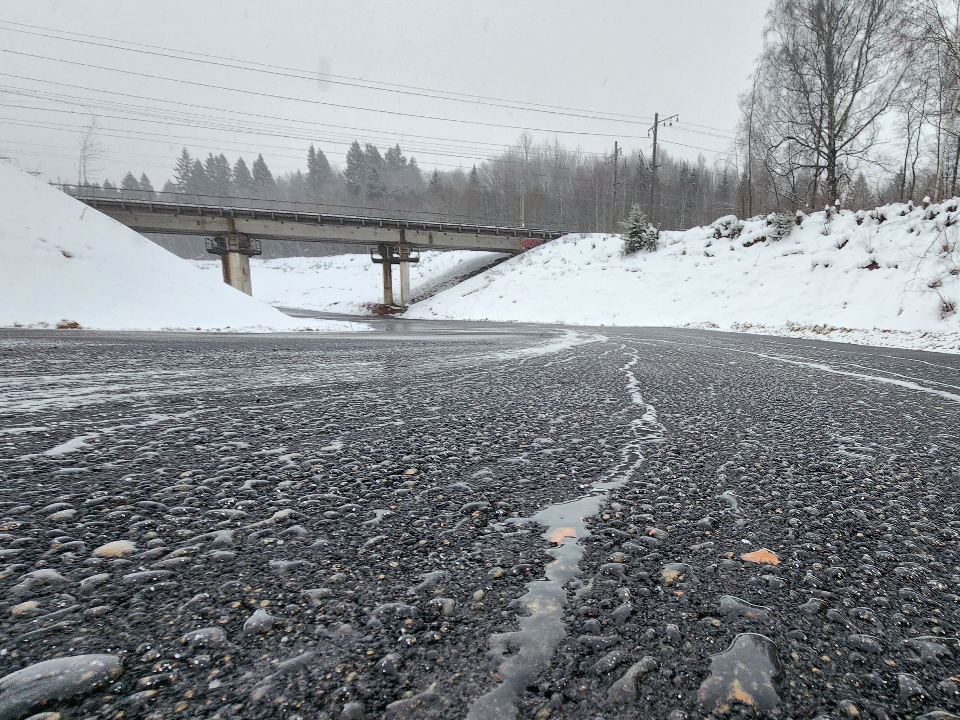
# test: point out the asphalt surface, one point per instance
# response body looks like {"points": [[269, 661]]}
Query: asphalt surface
{"points": [[469, 520]]}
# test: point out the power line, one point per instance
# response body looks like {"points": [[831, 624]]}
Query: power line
{"points": [[346, 140], [694, 147], [219, 61], [272, 96], [79, 100]]}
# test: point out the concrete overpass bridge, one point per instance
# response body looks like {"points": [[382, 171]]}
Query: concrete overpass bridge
{"points": [[234, 232]]}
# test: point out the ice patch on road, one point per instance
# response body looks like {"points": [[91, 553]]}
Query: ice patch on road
{"points": [[565, 524], [71, 445], [566, 340], [861, 376]]}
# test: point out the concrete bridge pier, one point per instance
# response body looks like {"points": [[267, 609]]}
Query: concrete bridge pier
{"points": [[388, 256], [404, 253], [384, 260], [235, 251]]}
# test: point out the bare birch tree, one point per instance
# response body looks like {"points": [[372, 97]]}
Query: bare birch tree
{"points": [[938, 23], [829, 71]]}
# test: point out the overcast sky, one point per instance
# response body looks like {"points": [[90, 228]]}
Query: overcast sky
{"points": [[329, 72]]}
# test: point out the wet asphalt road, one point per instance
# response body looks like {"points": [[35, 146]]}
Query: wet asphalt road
{"points": [[400, 524]]}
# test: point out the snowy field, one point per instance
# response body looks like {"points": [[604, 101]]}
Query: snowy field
{"points": [[887, 277], [349, 283], [66, 265]]}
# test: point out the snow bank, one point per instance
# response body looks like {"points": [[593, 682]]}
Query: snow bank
{"points": [[885, 277], [64, 264], [348, 283]]}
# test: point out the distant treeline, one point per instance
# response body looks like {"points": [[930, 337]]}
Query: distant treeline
{"points": [[539, 185]]}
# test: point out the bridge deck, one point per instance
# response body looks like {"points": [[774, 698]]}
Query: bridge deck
{"points": [[210, 220]]}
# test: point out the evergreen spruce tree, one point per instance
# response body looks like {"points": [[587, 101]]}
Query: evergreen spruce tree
{"points": [[181, 172], [130, 182], [436, 184], [169, 188], [218, 172], [318, 172], [263, 182], [638, 234], [354, 173], [394, 158], [146, 187], [197, 184], [372, 157], [242, 179], [374, 186]]}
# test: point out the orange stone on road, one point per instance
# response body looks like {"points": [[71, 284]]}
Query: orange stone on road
{"points": [[761, 557]]}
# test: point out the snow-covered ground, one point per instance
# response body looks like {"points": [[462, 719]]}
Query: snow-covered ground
{"points": [[349, 283], [887, 277], [65, 264]]}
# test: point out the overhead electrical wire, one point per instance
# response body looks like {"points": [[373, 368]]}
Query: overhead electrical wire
{"points": [[81, 100], [339, 79], [219, 61], [439, 147], [288, 98]]}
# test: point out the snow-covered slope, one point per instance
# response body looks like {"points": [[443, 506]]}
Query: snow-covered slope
{"points": [[348, 283], [886, 277], [62, 263]]}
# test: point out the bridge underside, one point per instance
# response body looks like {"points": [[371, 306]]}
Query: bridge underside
{"points": [[235, 234], [417, 236]]}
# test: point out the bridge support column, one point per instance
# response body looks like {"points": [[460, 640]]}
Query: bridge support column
{"points": [[390, 255], [404, 252], [235, 251], [386, 255]]}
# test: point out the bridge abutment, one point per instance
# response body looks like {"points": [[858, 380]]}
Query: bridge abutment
{"points": [[235, 251]]}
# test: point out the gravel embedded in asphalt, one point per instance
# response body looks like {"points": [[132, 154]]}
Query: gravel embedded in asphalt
{"points": [[342, 526]]}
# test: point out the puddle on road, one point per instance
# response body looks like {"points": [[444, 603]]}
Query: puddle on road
{"points": [[543, 628]]}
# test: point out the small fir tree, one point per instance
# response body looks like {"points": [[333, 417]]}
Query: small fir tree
{"points": [[638, 234], [781, 224]]}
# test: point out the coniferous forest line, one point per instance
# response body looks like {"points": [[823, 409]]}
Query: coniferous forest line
{"points": [[534, 185]]}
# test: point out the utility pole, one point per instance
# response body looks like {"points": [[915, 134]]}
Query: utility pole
{"points": [[616, 166], [523, 204], [653, 165]]}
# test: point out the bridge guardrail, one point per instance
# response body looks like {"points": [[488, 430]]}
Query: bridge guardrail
{"points": [[301, 213], [211, 205]]}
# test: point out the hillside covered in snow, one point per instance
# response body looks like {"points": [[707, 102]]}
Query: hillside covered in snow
{"points": [[66, 265], [890, 276]]}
